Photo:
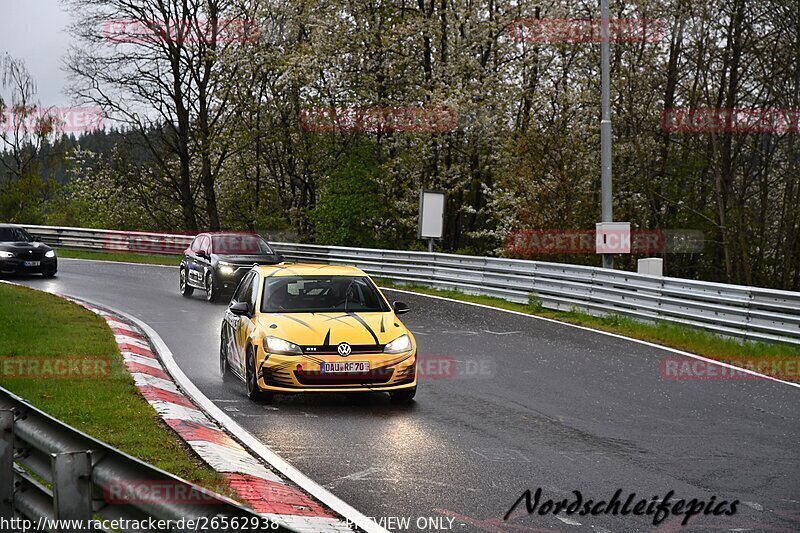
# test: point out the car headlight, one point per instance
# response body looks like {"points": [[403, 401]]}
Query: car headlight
{"points": [[226, 268], [280, 346], [399, 345], [6, 255], [50, 254]]}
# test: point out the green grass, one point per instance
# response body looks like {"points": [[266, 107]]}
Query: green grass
{"points": [[673, 335], [107, 406], [127, 257]]}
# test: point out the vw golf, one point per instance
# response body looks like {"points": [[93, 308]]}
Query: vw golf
{"points": [[304, 328]]}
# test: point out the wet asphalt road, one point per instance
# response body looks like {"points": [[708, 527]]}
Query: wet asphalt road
{"points": [[530, 404]]}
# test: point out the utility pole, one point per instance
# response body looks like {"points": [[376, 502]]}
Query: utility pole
{"points": [[605, 125]]}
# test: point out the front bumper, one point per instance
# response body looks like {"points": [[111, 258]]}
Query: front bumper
{"points": [[15, 265], [229, 281], [282, 373]]}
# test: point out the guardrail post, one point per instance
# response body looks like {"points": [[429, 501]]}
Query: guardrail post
{"points": [[72, 488], [6, 464]]}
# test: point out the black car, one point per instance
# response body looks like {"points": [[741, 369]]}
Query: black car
{"points": [[20, 253], [216, 262]]}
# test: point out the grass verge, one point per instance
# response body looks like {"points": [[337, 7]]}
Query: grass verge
{"points": [[672, 335], [126, 257], [41, 328]]}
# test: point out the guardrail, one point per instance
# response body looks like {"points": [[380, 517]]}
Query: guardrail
{"points": [[751, 313], [52, 472]]}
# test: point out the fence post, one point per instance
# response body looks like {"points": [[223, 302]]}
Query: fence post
{"points": [[6, 464], [72, 488]]}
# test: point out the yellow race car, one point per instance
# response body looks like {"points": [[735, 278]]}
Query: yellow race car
{"points": [[302, 328]]}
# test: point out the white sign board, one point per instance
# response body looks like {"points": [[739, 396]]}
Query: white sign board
{"points": [[431, 215], [613, 237]]}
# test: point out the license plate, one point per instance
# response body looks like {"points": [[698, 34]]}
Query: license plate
{"points": [[32, 263], [343, 367]]}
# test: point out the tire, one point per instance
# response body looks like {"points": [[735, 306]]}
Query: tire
{"points": [[186, 290], [224, 366], [403, 396], [251, 381], [212, 292], [49, 274]]}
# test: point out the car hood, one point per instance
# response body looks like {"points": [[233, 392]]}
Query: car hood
{"points": [[249, 259], [22, 246], [319, 329]]}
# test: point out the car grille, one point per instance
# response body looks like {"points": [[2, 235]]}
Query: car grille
{"points": [[382, 375], [32, 255], [332, 349], [282, 378]]}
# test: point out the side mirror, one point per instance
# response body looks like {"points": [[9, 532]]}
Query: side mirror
{"points": [[202, 253], [278, 257], [239, 309], [400, 308]]}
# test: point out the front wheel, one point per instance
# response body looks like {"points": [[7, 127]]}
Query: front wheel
{"points": [[224, 366], [212, 292], [49, 274], [251, 378], [186, 290], [403, 396]]}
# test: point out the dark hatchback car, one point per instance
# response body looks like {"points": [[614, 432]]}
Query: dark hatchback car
{"points": [[216, 262], [20, 253]]}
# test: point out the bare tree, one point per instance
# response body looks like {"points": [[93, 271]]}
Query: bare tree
{"points": [[24, 124], [154, 66]]}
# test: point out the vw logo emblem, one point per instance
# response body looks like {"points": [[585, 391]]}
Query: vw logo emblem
{"points": [[344, 349]]}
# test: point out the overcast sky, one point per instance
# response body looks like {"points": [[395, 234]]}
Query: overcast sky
{"points": [[36, 31]]}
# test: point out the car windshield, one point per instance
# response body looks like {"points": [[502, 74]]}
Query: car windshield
{"points": [[311, 294], [8, 234], [240, 244]]}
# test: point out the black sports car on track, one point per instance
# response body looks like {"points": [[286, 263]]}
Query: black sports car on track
{"points": [[20, 253], [216, 262]]}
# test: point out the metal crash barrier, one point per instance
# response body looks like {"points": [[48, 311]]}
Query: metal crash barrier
{"points": [[750, 313], [62, 480]]}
